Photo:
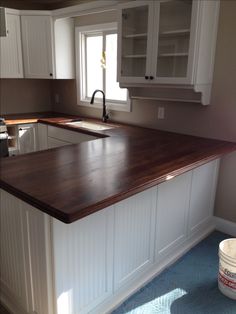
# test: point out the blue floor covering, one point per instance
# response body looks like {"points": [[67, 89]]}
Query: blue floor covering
{"points": [[187, 287]]}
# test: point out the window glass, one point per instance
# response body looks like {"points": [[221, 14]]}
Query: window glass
{"points": [[94, 75]]}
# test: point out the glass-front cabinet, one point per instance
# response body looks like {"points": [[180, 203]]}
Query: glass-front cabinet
{"points": [[156, 41], [135, 25]]}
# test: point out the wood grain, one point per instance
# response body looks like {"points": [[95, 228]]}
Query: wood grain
{"points": [[74, 181]]}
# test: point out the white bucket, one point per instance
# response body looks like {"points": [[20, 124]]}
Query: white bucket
{"points": [[227, 268]]}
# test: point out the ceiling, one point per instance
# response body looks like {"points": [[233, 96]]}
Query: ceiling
{"points": [[40, 4]]}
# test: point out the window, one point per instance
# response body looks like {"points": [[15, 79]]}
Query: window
{"points": [[97, 66]]}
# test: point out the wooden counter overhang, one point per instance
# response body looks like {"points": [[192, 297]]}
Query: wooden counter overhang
{"points": [[74, 181]]}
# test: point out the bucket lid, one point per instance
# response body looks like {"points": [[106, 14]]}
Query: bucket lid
{"points": [[228, 247]]}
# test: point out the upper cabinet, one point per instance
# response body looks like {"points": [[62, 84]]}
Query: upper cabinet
{"points": [[48, 47], [10, 49], [169, 42], [37, 32]]}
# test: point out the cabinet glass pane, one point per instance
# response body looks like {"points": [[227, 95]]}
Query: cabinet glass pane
{"points": [[174, 37], [134, 41]]}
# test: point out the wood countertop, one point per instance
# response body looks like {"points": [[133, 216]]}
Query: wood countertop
{"points": [[77, 180]]}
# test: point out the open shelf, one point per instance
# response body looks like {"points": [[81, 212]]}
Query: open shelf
{"points": [[136, 36], [134, 56], [177, 54], [177, 32]]}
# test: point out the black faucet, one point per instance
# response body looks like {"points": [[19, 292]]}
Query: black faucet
{"points": [[104, 111]]}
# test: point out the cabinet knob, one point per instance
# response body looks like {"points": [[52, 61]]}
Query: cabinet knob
{"points": [[146, 77], [50, 74], [151, 77]]}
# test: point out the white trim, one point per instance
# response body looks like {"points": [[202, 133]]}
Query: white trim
{"points": [[86, 8], [225, 226]]}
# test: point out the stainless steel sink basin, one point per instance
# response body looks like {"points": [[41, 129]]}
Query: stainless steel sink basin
{"points": [[90, 125]]}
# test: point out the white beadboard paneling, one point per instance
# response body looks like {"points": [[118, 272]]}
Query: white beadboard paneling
{"points": [[133, 236], [24, 256], [14, 266], [83, 260], [172, 213], [202, 196], [37, 46], [10, 49]]}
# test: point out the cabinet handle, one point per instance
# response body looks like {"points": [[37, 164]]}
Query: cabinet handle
{"points": [[50, 74], [151, 77], [146, 77]]}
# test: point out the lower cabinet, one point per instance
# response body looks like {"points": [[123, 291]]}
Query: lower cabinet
{"points": [[101, 259], [54, 142], [25, 257], [134, 225], [172, 214], [204, 180], [27, 138]]}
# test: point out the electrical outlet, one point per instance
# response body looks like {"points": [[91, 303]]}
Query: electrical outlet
{"points": [[57, 98], [161, 113]]}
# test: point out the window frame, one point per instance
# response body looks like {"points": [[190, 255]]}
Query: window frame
{"points": [[82, 100]]}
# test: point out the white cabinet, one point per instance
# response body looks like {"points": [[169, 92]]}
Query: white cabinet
{"points": [[10, 49], [99, 260], [168, 42], [48, 47], [53, 142], [172, 214], [25, 267], [134, 226], [27, 138], [83, 262], [37, 32], [67, 136], [202, 196]]}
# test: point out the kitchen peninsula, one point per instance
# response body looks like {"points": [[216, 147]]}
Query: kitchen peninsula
{"points": [[84, 225]]}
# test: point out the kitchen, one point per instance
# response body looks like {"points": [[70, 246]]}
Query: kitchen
{"points": [[20, 96]]}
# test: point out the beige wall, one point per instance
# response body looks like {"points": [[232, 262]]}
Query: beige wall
{"points": [[21, 95], [215, 121]]}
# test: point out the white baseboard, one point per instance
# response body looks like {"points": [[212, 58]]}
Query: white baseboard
{"points": [[225, 226]]}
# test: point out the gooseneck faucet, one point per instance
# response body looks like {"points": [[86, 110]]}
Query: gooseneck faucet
{"points": [[104, 111]]}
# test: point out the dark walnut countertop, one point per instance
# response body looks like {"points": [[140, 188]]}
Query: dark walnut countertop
{"points": [[77, 180]]}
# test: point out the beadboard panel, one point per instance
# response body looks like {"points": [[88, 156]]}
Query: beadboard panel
{"points": [[172, 213], [14, 266], [83, 262], [37, 46], [11, 65], [133, 236], [24, 256], [202, 195]]}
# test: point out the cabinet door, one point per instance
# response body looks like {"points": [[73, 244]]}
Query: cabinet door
{"points": [[134, 225], [202, 196], [37, 46], [54, 142], [10, 49], [173, 44], [172, 214], [83, 262], [135, 41], [27, 138]]}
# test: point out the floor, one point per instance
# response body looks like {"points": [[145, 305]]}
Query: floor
{"points": [[188, 287]]}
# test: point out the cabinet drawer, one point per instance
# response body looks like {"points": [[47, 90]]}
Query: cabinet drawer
{"points": [[68, 136]]}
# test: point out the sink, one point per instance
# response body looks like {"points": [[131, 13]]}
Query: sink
{"points": [[90, 125]]}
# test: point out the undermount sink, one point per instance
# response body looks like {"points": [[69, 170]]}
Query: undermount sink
{"points": [[90, 125]]}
